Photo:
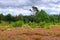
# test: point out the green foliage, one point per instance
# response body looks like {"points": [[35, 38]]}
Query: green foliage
{"points": [[35, 8], [3, 23], [19, 17], [39, 18], [42, 24], [1, 17], [32, 24], [17, 24], [9, 18], [47, 25]]}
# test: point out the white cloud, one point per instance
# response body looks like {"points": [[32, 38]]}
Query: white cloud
{"points": [[54, 13], [22, 6], [15, 11], [14, 2], [50, 10], [55, 0], [54, 5], [46, 1]]}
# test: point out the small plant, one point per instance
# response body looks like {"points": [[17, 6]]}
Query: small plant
{"points": [[32, 24], [52, 33], [42, 24], [17, 24], [47, 27]]}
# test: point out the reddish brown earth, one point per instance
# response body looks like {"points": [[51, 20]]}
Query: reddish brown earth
{"points": [[31, 34]]}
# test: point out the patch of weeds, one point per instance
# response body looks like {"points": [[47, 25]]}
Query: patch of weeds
{"points": [[47, 27], [53, 34]]}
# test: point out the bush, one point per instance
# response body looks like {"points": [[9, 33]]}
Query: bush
{"points": [[32, 24], [17, 24], [45, 25], [42, 24]]}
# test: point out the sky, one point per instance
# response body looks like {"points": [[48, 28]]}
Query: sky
{"points": [[16, 7]]}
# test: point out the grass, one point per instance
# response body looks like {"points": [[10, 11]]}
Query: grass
{"points": [[17, 24], [5, 25]]}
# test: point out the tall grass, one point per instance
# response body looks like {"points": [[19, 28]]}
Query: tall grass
{"points": [[4, 25]]}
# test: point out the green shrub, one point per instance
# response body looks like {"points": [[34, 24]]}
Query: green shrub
{"points": [[42, 24], [32, 24], [47, 27], [17, 24]]}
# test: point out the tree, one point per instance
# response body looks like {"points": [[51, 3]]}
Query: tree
{"points": [[41, 16], [8, 18], [1, 17], [59, 18], [26, 19], [54, 18], [34, 10], [19, 17]]}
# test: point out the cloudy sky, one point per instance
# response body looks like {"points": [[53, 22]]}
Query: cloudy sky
{"points": [[16, 7]]}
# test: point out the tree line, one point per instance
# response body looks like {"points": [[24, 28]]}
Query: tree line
{"points": [[38, 16]]}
